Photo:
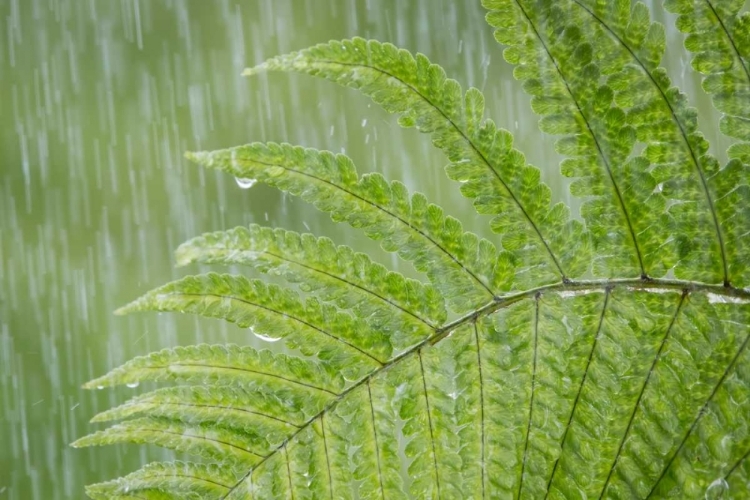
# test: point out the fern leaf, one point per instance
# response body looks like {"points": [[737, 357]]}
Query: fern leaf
{"points": [[560, 66], [493, 174], [271, 479], [207, 481], [211, 442], [719, 37], [464, 268], [254, 412], [731, 186], [629, 48], [302, 383], [346, 343], [405, 308]]}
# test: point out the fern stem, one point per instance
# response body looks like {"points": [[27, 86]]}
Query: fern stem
{"points": [[531, 399], [580, 390]]}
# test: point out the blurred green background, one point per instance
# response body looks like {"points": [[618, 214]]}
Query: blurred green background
{"points": [[98, 101]]}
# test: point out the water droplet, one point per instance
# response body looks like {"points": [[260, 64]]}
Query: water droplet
{"points": [[364, 122], [133, 385], [717, 489], [100, 387], [245, 183], [267, 338]]}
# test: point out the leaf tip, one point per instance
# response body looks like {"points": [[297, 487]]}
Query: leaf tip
{"points": [[199, 157], [255, 70], [184, 255]]}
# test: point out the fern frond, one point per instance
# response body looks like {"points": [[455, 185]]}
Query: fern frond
{"points": [[213, 442], [407, 309], [347, 343], [493, 174], [562, 66], [234, 366], [256, 412], [465, 269], [629, 49], [182, 479], [548, 386]]}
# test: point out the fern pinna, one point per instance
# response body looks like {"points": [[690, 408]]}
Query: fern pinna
{"points": [[600, 358]]}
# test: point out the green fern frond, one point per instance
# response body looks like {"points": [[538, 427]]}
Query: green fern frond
{"points": [[183, 479], [210, 441], [675, 150], [557, 63], [273, 417], [601, 89], [550, 385], [546, 245], [230, 365], [275, 312], [465, 269], [719, 37], [405, 308]]}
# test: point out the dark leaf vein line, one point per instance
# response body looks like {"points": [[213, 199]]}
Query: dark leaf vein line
{"points": [[375, 435], [737, 465], [481, 406], [563, 441], [231, 408], [429, 422], [204, 438], [288, 471], [325, 449], [531, 398], [735, 49], [186, 476], [599, 149], [700, 414], [657, 357]]}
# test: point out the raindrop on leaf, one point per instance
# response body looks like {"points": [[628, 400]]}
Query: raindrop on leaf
{"points": [[267, 338], [245, 183], [717, 489]]}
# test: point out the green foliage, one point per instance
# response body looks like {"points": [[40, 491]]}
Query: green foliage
{"points": [[606, 358]]}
